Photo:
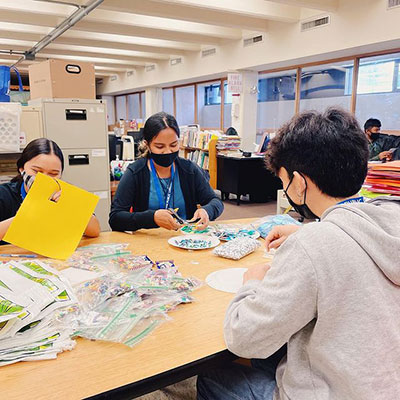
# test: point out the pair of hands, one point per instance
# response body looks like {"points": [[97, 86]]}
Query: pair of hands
{"points": [[164, 219], [386, 155], [274, 239]]}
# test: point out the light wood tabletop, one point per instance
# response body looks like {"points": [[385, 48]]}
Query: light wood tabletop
{"points": [[93, 367]]}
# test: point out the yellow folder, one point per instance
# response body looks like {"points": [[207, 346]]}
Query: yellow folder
{"points": [[49, 228]]}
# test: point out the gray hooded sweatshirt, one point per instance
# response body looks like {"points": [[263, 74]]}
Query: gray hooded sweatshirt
{"points": [[332, 294]]}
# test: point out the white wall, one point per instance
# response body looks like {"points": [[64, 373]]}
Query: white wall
{"points": [[185, 105], [110, 109], [359, 26], [272, 114], [321, 104], [210, 116]]}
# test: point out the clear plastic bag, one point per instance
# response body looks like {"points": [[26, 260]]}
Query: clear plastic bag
{"points": [[227, 232], [92, 257], [164, 280], [129, 318], [266, 224], [237, 248], [127, 263], [96, 291]]}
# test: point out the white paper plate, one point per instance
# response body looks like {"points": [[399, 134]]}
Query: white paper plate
{"points": [[227, 280], [213, 241]]}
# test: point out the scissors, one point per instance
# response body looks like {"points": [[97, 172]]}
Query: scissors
{"points": [[174, 213]]}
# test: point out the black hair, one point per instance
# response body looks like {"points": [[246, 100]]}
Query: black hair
{"points": [[35, 148], [371, 123], [231, 131], [158, 122], [330, 148]]}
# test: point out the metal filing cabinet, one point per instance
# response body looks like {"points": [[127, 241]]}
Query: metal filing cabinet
{"points": [[79, 127]]}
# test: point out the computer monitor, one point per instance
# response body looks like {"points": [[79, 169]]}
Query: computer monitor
{"points": [[264, 143], [114, 147]]}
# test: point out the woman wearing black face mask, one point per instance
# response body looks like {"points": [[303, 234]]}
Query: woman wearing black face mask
{"points": [[161, 180]]}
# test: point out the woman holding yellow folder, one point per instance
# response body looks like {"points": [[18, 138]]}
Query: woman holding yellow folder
{"points": [[40, 155]]}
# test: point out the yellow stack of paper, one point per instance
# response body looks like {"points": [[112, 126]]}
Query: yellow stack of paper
{"points": [[49, 228]]}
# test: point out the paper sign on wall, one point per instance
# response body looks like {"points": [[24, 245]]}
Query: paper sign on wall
{"points": [[235, 83], [49, 228]]}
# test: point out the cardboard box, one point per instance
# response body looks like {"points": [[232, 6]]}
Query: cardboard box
{"points": [[62, 79]]}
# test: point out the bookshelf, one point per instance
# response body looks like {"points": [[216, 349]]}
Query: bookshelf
{"points": [[202, 147]]}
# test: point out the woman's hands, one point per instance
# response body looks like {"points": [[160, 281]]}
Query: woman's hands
{"points": [[201, 214], [164, 219]]}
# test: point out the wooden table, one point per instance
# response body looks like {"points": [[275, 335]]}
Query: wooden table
{"points": [[174, 351]]}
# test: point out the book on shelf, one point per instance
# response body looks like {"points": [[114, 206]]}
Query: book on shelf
{"points": [[200, 158], [192, 137]]}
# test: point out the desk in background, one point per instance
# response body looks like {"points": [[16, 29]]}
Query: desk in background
{"points": [[246, 175], [191, 342]]}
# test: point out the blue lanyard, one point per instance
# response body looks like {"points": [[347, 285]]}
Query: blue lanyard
{"points": [[353, 200], [158, 186], [23, 191]]}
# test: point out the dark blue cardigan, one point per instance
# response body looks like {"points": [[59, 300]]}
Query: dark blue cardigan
{"points": [[134, 189]]}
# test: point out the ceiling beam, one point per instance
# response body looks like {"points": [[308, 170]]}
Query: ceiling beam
{"points": [[259, 9], [66, 41], [97, 61], [147, 32], [185, 13], [127, 24], [322, 5], [52, 50], [167, 24], [169, 44]]}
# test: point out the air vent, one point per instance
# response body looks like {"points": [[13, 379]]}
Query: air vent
{"points": [[113, 78], [208, 52], [253, 40], [99, 81], [150, 67], [130, 73], [393, 3], [315, 23], [175, 61]]}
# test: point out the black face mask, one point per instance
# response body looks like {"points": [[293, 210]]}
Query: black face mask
{"points": [[375, 136], [164, 160], [301, 209]]}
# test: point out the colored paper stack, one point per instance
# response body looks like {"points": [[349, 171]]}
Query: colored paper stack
{"points": [[383, 178]]}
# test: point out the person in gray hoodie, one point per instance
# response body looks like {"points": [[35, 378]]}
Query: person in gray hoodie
{"points": [[332, 291]]}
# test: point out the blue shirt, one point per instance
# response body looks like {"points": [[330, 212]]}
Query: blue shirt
{"points": [[177, 200]]}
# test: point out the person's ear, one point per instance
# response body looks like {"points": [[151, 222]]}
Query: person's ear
{"points": [[299, 184], [20, 170]]}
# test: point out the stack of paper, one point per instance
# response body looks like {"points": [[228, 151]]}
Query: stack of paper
{"points": [[228, 143], [384, 178], [31, 296]]}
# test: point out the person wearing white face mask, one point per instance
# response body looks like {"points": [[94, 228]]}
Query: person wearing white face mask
{"points": [[40, 155], [161, 180]]}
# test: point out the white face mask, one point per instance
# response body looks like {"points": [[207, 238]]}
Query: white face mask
{"points": [[28, 179]]}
